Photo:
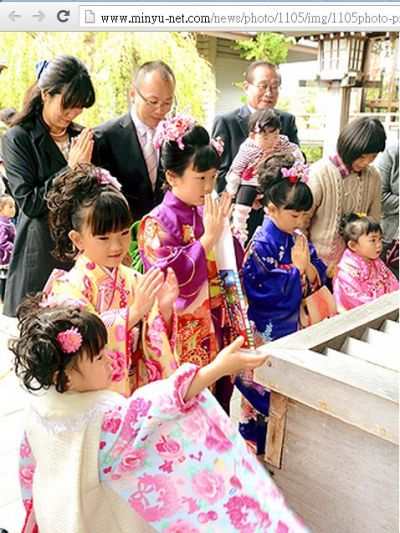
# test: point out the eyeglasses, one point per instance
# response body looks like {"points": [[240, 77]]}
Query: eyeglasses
{"points": [[153, 104], [264, 88]]}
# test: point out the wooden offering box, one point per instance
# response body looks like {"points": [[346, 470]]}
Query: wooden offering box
{"points": [[332, 442]]}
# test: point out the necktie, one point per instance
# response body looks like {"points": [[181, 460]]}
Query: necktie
{"points": [[150, 157]]}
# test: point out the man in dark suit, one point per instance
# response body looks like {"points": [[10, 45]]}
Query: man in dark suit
{"points": [[123, 145], [262, 90]]}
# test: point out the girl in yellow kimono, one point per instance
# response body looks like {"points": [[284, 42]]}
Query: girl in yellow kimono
{"points": [[90, 221]]}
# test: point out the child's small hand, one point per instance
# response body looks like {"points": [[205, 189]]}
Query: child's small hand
{"points": [[231, 359], [301, 254], [146, 291], [167, 295], [213, 219]]}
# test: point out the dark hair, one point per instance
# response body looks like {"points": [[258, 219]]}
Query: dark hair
{"points": [[279, 190], [162, 68], [353, 225], [261, 63], [7, 114], [197, 151], [65, 75], [72, 193], [40, 361], [4, 198], [264, 120], [364, 135]]}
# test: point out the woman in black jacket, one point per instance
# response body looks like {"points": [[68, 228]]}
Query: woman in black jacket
{"points": [[42, 143]]}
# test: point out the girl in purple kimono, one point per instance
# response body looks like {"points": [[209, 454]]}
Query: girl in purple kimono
{"points": [[361, 276], [7, 238], [166, 459], [281, 266], [181, 233]]}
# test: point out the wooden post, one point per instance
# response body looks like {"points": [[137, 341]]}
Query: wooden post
{"points": [[276, 429], [337, 115]]}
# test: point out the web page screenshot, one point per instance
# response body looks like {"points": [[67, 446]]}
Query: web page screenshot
{"points": [[112, 83]]}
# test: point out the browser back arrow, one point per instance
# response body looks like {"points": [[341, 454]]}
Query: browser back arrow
{"points": [[13, 15]]}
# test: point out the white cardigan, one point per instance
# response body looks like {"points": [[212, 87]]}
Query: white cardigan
{"points": [[63, 431]]}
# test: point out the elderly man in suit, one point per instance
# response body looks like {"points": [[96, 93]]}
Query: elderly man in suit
{"points": [[262, 90], [124, 145]]}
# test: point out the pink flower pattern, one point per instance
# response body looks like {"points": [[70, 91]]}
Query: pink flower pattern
{"points": [[118, 364], [149, 458], [208, 485]]}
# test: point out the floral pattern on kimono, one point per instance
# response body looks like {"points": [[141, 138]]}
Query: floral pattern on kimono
{"points": [[169, 237], [182, 465], [358, 281], [273, 284], [141, 354]]}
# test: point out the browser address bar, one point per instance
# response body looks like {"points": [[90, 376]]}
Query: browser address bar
{"points": [[255, 17]]}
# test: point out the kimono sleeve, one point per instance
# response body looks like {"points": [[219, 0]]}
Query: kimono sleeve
{"points": [[269, 285], [182, 466], [348, 291], [157, 346], [26, 471], [188, 261], [319, 265]]}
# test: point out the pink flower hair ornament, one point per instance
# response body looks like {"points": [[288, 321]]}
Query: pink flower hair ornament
{"points": [[105, 178], [173, 129], [298, 172], [70, 340], [218, 145]]}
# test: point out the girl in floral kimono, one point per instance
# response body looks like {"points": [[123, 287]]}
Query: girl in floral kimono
{"points": [[280, 267], [90, 221], [167, 459], [181, 233], [361, 276]]}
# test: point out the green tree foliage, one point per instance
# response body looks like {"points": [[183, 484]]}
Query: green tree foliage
{"points": [[272, 47], [110, 58]]}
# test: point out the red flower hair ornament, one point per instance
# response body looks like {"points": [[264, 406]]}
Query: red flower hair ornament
{"points": [[298, 172], [70, 340]]}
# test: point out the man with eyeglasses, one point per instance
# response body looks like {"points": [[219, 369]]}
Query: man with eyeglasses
{"points": [[262, 90], [124, 145]]}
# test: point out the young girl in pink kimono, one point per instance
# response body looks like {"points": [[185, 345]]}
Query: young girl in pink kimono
{"points": [[167, 459], [361, 276], [181, 233], [90, 222]]}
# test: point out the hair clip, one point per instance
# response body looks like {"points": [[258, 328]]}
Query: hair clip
{"points": [[105, 178], [40, 67], [70, 340], [361, 214], [218, 145], [173, 129], [257, 127], [298, 172]]}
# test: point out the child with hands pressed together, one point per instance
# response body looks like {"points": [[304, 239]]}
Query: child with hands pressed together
{"points": [[167, 459], [280, 268], [90, 222], [361, 276], [181, 234]]}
